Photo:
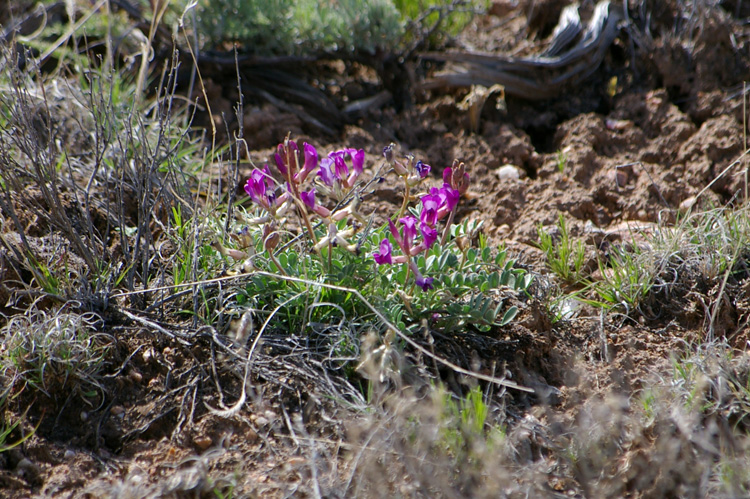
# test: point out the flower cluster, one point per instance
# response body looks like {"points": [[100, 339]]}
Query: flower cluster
{"points": [[334, 179], [305, 175], [435, 205]]}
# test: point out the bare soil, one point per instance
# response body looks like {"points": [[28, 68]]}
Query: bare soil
{"points": [[637, 141]]}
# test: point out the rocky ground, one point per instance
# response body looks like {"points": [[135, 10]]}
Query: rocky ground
{"points": [[655, 131]]}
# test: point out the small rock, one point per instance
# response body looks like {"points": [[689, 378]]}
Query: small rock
{"points": [[270, 415], [135, 376], [69, 454], [203, 442], [117, 410], [84, 416], [27, 469], [261, 421], [508, 172], [618, 176]]}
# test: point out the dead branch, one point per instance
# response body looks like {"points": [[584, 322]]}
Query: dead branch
{"points": [[542, 76]]}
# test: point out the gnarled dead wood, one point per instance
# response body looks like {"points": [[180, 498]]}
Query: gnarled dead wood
{"points": [[545, 75]]}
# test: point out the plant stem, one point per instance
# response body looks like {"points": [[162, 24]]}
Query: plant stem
{"points": [[276, 262], [448, 224], [406, 200]]}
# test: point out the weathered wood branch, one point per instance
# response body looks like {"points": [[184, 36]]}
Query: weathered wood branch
{"points": [[545, 75]]}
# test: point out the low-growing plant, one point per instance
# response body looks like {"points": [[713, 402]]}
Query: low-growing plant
{"points": [[418, 267], [626, 280], [565, 257], [55, 354]]}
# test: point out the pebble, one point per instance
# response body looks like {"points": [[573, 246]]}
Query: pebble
{"points": [[618, 176], [508, 172], [203, 442]]}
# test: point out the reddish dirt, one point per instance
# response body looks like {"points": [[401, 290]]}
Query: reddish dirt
{"points": [[672, 125]]}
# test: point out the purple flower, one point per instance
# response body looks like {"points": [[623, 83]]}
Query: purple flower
{"points": [[342, 171], [325, 172], [457, 177], [311, 161], [259, 186], [340, 168], [286, 158], [410, 231], [447, 175], [383, 256], [405, 238], [280, 164], [430, 205], [358, 160], [308, 197], [429, 235], [449, 198], [423, 282], [396, 234], [423, 169]]}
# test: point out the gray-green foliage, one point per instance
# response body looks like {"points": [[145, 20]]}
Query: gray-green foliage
{"points": [[267, 27]]}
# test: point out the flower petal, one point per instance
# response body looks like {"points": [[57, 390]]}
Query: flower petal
{"points": [[326, 171], [429, 235], [410, 231], [423, 169], [308, 197], [358, 160], [383, 256], [430, 206], [311, 158]]}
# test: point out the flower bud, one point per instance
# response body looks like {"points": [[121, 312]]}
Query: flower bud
{"points": [[388, 153], [271, 238]]}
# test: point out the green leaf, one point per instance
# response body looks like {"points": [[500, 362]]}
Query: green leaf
{"points": [[509, 315]]}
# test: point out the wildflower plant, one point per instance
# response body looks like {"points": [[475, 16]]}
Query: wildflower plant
{"points": [[419, 265]]}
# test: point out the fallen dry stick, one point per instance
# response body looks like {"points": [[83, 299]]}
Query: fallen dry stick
{"points": [[542, 76]]}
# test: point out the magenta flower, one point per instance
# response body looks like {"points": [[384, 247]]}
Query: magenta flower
{"points": [[340, 168], [286, 158], [308, 197], [423, 282], [405, 240], [383, 256], [430, 205], [429, 235], [457, 177], [423, 169], [339, 171], [259, 187], [311, 162], [326, 172], [448, 197], [280, 163]]}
